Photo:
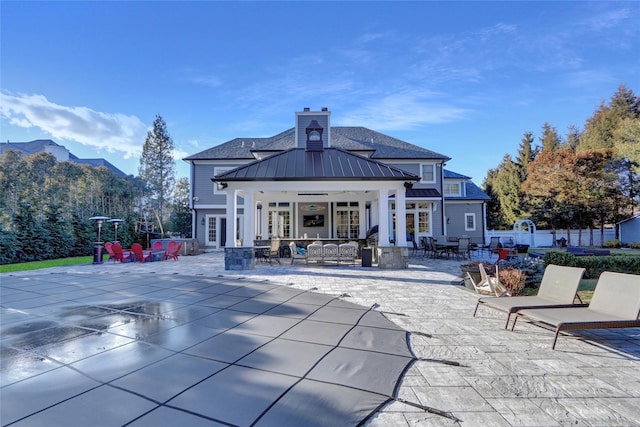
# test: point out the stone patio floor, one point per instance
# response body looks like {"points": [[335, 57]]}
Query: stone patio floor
{"points": [[497, 377]]}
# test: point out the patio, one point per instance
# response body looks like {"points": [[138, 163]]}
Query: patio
{"points": [[470, 367]]}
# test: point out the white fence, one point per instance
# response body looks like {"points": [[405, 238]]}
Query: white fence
{"points": [[544, 238]]}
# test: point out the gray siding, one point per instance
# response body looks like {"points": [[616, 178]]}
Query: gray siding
{"points": [[456, 213], [630, 231]]}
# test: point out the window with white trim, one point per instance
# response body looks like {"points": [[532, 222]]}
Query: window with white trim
{"points": [[428, 173], [470, 222], [451, 189], [347, 220]]}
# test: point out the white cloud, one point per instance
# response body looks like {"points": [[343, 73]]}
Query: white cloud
{"points": [[109, 131], [403, 111]]}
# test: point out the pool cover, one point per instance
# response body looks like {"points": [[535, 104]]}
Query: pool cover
{"points": [[80, 349]]}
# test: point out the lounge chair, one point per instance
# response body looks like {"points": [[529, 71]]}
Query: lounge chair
{"points": [[558, 289], [297, 253], [615, 304]]}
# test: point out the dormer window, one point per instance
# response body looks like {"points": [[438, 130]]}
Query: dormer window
{"points": [[314, 135], [452, 189]]}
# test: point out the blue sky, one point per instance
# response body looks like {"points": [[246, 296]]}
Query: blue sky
{"points": [[465, 79]]}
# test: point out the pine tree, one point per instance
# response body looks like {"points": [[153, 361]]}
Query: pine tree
{"points": [[550, 139], [157, 166]]}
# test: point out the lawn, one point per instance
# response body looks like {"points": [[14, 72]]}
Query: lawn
{"points": [[36, 265]]}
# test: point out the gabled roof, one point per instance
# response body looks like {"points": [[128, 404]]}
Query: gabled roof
{"points": [[351, 138], [299, 164], [629, 219]]}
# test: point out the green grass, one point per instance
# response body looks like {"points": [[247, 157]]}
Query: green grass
{"points": [[36, 265]]}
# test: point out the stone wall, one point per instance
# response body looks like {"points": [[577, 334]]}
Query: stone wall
{"points": [[393, 258], [238, 259]]}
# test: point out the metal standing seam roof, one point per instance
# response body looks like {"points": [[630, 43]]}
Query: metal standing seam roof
{"points": [[327, 164]]}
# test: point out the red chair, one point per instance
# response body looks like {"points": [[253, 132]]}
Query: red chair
{"points": [[112, 255], [140, 255], [173, 253], [119, 253], [157, 246]]}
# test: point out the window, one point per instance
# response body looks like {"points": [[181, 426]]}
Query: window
{"points": [[347, 220], [470, 222], [280, 220], [418, 219], [452, 189], [212, 234], [428, 173]]}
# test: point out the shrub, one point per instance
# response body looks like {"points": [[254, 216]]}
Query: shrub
{"points": [[595, 265], [612, 243], [512, 279]]}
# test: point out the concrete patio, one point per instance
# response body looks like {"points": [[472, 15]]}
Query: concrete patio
{"points": [[470, 367]]}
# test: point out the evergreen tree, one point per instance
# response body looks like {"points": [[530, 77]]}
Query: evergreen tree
{"points": [[181, 215], [157, 166], [550, 139]]}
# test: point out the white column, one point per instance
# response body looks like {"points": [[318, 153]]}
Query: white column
{"points": [[401, 218], [383, 217], [249, 232], [232, 214], [362, 214]]}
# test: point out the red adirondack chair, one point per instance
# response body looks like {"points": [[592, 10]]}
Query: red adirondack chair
{"points": [[173, 250], [112, 255], [140, 254], [119, 253]]}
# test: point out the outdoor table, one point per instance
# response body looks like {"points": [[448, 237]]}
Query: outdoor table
{"points": [[261, 251], [448, 247], [157, 255]]}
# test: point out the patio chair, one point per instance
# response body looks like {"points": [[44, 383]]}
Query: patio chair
{"points": [[171, 247], [119, 253], [463, 248], [615, 304], [109, 249], [493, 246], [274, 252], [173, 251], [558, 288], [425, 245], [157, 245], [297, 253], [140, 254], [487, 285]]}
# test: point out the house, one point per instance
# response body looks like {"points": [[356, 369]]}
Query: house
{"points": [[58, 151], [629, 230], [317, 181]]}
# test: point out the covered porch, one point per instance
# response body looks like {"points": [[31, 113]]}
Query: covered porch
{"points": [[334, 195]]}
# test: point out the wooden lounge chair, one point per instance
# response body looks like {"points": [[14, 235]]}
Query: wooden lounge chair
{"points": [[558, 289], [615, 304]]}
